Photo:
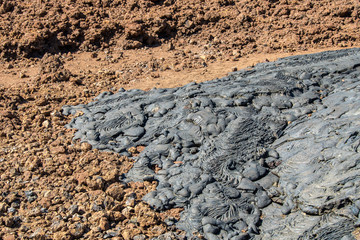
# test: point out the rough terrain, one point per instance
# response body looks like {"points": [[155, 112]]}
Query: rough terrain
{"points": [[212, 147], [56, 53], [34, 28]]}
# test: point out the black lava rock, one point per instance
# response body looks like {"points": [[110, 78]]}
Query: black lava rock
{"points": [[267, 153]]}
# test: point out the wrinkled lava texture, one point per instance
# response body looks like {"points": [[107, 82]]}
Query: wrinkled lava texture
{"points": [[216, 143], [55, 188]]}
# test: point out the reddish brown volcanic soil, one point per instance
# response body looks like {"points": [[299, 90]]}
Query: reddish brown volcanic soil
{"points": [[55, 53]]}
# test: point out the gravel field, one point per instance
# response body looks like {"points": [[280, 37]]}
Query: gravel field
{"points": [[65, 53]]}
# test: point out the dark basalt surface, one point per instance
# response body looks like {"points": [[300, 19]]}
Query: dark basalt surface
{"points": [[266, 153]]}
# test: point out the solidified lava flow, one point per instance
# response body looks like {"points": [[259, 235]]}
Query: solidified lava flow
{"points": [[265, 153]]}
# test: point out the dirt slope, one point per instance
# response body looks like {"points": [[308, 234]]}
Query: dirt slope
{"points": [[54, 53], [33, 28]]}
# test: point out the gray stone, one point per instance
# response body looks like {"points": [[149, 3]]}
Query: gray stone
{"points": [[282, 138], [30, 196]]}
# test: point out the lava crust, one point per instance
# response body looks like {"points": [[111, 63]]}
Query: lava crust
{"points": [[265, 153]]}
